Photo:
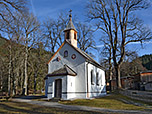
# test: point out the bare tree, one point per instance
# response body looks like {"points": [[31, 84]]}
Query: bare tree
{"points": [[23, 34], [132, 67], [37, 63], [53, 31], [116, 19], [23, 30], [8, 29], [7, 7], [106, 59], [54, 35], [85, 36], [30, 28]]}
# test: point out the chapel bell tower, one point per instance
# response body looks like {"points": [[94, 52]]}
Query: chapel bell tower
{"points": [[71, 32]]}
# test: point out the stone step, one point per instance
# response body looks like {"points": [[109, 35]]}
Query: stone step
{"points": [[55, 99]]}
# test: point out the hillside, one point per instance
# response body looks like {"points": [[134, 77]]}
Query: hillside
{"points": [[2, 41], [3, 46], [147, 61]]}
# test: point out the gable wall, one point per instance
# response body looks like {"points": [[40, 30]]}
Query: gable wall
{"points": [[73, 63], [77, 64]]}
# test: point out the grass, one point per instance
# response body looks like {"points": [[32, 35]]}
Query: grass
{"points": [[8, 107], [109, 102], [136, 101]]}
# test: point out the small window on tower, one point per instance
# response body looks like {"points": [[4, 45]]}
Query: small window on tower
{"points": [[66, 53], [68, 34], [75, 35]]}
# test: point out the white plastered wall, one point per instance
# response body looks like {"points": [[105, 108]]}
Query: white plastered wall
{"points": [[95, 90], [46, 87], [51, 86], [71, 87]]}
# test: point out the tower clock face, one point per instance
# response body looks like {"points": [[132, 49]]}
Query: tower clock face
{"points": [[73, 56]]}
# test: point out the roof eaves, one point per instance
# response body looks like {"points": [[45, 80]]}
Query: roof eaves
{"points": [[46, 77], [126, 77], [148, 71], [56, 52], [89, 59], [61, 74], [66, 70], [96, 64], [70, 29], [66, 66]]}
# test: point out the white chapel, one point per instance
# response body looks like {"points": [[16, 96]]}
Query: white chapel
{"points": [[72, 73]]}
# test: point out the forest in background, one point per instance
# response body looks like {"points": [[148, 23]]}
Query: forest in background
{"points": [[37, 67], [147, 61]]}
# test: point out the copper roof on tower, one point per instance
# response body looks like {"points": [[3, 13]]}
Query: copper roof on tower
{"points": [[70, 24]]}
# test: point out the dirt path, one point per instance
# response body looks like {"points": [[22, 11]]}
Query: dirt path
{"points": [[78, 108]]}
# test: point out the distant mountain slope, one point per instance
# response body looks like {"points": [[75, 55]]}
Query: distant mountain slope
{"points": [[147, 61], [3, 46]]}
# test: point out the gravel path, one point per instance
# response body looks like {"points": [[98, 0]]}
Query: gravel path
{"points": [[78, 108]]}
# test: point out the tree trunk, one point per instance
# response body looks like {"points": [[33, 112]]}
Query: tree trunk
{"points": [[118, 80], [22, 80], [14, 84], [17, 79], [35, 76], [9, 71], [25, 90], [1, 78], [110, 69], [110, 78], [9, 80]]}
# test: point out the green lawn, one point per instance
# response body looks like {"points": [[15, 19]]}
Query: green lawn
{"points": [[8, 107], [109, 102]]}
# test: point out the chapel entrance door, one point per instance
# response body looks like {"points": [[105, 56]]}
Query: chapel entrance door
{"points": [[58, 88]]}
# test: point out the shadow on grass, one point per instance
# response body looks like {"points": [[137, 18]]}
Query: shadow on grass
{"points": [[10, 109], [15, 107]]}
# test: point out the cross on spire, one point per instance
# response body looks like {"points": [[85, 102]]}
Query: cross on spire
{"points": [[70, 13]]}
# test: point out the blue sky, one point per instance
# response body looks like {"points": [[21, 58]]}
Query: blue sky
{"points": [[51, 8]]}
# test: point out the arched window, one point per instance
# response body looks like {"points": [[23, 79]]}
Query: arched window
{"points": [[92, 79], [97, 78], [65, 53]]}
